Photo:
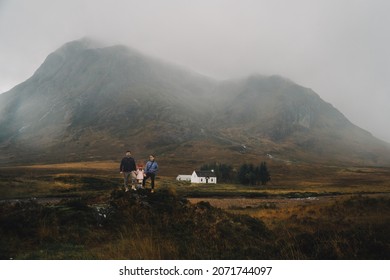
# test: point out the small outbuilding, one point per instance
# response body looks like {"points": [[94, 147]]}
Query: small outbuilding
{"points": [[184, 178]]}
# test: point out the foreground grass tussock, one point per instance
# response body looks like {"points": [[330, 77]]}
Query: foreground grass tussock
{"points": [[164, 225], [132, 226]]}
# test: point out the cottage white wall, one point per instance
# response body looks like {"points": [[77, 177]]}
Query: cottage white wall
{"points": [[194, 178], [213, 180]]}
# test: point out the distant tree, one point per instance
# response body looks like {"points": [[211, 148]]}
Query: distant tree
{"points": [[242, 178], [251, 175], [263, 173], [224, 172], [247, 174]]}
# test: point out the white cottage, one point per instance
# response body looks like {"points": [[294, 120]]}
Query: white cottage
{"points": [[199, 177], [207, 177]]}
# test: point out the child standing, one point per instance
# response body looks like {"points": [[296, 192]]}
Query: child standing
{"points": [[140, 176]]}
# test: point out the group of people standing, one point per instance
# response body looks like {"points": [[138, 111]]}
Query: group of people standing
{"points": [[138, 174]]}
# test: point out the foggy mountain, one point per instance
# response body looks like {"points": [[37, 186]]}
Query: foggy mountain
{"points": [[90, 102]]}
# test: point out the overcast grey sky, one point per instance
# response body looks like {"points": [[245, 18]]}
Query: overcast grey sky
{"points": [[339, 48]]}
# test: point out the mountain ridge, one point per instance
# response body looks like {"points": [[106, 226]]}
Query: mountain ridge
{"points": [[87, 101]]}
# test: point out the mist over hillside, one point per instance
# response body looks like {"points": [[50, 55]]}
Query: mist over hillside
{"points": [[88, 102]]}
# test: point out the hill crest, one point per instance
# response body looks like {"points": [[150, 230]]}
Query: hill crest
{"points": [[92, 102]]}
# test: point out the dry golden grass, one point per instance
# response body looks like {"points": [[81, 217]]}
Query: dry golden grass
{"points": [[286, 178], [312, 211], [136, 245], [279, 212], [74, 166]]}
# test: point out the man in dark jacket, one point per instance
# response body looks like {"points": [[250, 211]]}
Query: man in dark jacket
{"points": [[128, 168]]}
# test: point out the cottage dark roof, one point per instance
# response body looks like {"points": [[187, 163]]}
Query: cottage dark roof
{"points": [[205, 173]]}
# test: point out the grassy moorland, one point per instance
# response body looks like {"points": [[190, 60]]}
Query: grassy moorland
{"points": [[77, 211]]}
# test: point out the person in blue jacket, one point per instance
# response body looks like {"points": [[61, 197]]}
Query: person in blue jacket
{"points": [[150, 171]]}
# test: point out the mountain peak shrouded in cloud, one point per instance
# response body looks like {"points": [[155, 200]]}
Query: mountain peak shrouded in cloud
{"points": [[310, 42], [88, 101], [81, 44]]}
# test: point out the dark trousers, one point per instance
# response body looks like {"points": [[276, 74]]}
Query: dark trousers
{"points": [[152, 176]]}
